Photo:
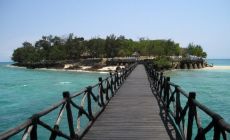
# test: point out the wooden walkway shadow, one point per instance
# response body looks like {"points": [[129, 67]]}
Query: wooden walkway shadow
{"points": [[132, 114]]}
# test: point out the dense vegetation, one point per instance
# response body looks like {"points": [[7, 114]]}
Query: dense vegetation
{"points": [[196, 50], [54, 48]]}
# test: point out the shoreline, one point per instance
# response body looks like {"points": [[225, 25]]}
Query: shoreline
{"points": [[217, 68], [107, 69], [69, 70], [85, 69]]}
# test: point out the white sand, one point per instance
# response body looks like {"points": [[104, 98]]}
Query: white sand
{"points": [[82, 69], [108, 68], [67, 66], [68, 70], [217, 68], [85, 67]]}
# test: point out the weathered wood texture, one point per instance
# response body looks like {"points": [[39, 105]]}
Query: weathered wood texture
{"points": [[132, 114]]}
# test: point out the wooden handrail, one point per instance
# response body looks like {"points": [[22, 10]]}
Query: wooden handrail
{"points": [[112, 83], [177, 113]]}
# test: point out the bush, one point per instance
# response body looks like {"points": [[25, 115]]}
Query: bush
{"points": [[162, 62]]}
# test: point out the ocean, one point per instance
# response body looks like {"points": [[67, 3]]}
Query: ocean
{"points": [[212, 88], [24, 92]]}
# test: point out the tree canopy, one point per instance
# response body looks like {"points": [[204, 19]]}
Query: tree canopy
{"points": [[196, 50], [55, 48]]}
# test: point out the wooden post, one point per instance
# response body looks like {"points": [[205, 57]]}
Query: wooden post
{"points": [[151, 73], [111, 84], [123, 74], [89, 90], [166, 90], [200, 135], [156, 75], [107, 90], [54, 134], [33, 133], [216, 133], [101, 91], [118, 79], [155, 82], [155, 79], [115, 82], [160, 83], [191, 114], [178, 105], [126, 73], [66, 95], [162, 87], [217, 128]]}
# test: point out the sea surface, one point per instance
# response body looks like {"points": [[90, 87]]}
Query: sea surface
{"points": [[24, 92], [212, 88]]}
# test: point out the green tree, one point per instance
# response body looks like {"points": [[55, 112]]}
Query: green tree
{"points": [[127, 47], [74, 47], [18, 55], [96, 47], [44, 47], [111, 46], [26, 54], [58, 52], [196, 50]]}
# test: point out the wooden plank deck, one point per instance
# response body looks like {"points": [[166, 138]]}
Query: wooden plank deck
{"points": [[132, 114]]}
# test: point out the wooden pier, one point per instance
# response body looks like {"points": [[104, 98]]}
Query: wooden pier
{"points": [[133, 113]]}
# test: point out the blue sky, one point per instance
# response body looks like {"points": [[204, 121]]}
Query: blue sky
{"points": [[204, 22]]}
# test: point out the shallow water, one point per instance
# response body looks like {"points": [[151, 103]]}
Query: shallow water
{"points": [[24, 92], [219, 62], [212, 87]]}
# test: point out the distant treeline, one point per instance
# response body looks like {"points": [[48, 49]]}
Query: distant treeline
{"points": [[55, 48]]}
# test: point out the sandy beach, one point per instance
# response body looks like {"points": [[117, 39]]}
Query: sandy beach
{"points": [[217, 68], [110, 68], [105, 69]]}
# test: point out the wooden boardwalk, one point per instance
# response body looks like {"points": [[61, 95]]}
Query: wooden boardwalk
{"points": [[132, 114]]}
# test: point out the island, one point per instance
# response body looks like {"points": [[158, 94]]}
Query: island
{"points": [[95, 54]]}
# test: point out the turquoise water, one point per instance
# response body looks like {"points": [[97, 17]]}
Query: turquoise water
{"points": [[24, 92], [219, 62], [212, 88]]}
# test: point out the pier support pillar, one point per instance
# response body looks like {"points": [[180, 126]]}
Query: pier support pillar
{"points": [[178, 66], [195, 66], [185, 66]]}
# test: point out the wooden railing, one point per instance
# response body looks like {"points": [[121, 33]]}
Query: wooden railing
{"points": [[183, 117], [97, 95]]}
